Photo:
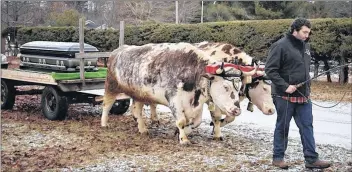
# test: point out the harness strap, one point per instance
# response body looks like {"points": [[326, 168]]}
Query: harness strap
{"points": [[246, 92]]}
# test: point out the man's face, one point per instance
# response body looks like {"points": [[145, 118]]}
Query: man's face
{"points": [[302, 34]]}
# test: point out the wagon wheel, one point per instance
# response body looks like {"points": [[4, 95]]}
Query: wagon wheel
{"points": [[120, 107], [54, 105], [8, 93]]}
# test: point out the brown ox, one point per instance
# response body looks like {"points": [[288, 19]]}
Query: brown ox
{"points": [[169, 74]]}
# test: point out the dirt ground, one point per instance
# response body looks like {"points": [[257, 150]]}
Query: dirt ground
{"points": [[325, 91], [29, 142], [32, 143]]}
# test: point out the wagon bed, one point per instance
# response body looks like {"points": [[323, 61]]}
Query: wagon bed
{"points": [[60, 90]]}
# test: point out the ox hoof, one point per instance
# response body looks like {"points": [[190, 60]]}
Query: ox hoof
{"points": [[213, 131], [218, 138], [177, 132], [144, 133], [185, 142], [134, 118], [105, 126]]}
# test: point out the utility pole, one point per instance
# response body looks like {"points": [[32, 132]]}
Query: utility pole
{"points": [[2, 50], [202, 15], [176, 3]]}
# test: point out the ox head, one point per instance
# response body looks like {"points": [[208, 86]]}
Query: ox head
{"points": [[259, 92], [224, 90]]}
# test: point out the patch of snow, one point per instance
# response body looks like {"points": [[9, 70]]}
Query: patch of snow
{"points": [[331, 126]]}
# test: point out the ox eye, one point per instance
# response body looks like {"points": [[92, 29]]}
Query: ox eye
{"points": [[265, 89], [232, 95]]}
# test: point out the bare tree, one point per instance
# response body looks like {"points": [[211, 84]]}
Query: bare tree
{"points": [[19, 12], [163, 12], [188, 10], [110, 14], [16, 14], [140, 10]]}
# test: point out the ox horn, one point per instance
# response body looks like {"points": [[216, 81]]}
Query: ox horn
{"points": [[251, 73], [221, 69]]}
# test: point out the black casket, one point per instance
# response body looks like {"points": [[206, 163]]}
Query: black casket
{"points": [[55, 56]]}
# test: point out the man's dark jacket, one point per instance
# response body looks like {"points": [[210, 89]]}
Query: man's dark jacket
{"points": [[288, 63]]}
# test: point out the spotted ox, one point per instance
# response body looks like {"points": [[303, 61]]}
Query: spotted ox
{"points": [[259, 93], [172, 75], [225, 52], [256, 90], [254, 87]]}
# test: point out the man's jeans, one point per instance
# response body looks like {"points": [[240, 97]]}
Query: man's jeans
{"points": [[302, 113]]}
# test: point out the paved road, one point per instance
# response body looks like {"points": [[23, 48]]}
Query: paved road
{"points": [[331, 126]]}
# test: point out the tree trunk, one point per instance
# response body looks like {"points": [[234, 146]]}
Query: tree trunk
{"points": [[316, 68], [342, 73], [326, 68], [345, 70]]}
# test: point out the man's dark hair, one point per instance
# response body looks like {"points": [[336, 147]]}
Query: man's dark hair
{"points": [[298, 23]]}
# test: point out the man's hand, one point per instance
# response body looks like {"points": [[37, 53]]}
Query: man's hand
{"points": [[290, 89]]}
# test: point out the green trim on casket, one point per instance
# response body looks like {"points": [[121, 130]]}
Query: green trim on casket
{"points": [[101, 73]]}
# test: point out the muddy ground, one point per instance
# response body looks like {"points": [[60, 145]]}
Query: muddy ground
{"points": [[29, 142], [32, 143]]}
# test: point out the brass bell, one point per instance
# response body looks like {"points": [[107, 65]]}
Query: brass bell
{"points": [[250, 106]]}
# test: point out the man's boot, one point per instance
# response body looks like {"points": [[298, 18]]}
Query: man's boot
{"points": [[318, 164], [281, 164]]}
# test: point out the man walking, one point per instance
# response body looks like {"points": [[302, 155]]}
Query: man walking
{"points": [[288, 65]]}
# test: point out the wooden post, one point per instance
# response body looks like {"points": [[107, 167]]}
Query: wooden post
{"points": [[122, 33], [81, 50], [201, 17], [2, 43], [176, 12]]}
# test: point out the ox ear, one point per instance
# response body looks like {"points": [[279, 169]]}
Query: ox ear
{"points": [[208, 76]]}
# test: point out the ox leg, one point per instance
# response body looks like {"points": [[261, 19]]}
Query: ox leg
{"points": [[137, 113], [108, 101], [181, 123], [153, 115], [216, 118], [227, 120], [196, 121]]}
